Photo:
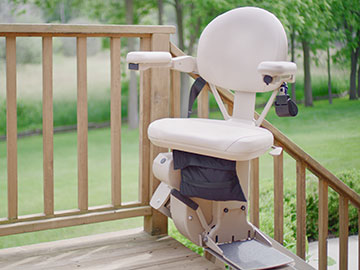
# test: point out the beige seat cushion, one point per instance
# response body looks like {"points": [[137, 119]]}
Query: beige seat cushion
{"points": [[224, 139]]}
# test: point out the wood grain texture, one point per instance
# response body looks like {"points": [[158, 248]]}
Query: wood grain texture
{"points": [[279, 198], [254, 192], [88, 30], [71, 212], [73, 220], [48, 126], [131, 249], [115, 121], [159, 108], [323, 223], [175, 94], [144, 122], [203, 104], [343, 232], [82, 123], [11, 128], [300, 209]]}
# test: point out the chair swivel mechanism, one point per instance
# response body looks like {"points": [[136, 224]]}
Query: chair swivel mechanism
{"points": [[205, 179]]}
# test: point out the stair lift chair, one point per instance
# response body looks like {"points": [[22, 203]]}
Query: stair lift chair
{"points": [[243, 50]]}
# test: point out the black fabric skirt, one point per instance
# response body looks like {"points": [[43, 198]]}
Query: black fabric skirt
{"points": [[208, 177]]}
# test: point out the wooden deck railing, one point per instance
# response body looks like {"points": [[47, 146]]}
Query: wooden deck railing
{"points": [[154, 100], [159, 97], [303, 162]]}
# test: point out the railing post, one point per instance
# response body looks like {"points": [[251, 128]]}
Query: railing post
{"points": [[175, 94], [144, 122], [82, 123], [300, 209], [159, 108], [279, 198], [115, 121], [254, 192], [343, 231], [48, 126], [11, 127], [323, 223], [203, 104]]}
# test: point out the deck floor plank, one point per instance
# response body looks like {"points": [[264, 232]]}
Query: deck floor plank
{"points": [[131, 249]]}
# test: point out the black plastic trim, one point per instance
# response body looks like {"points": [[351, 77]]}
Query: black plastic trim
{"points": [[133, 66], [189, 202]]}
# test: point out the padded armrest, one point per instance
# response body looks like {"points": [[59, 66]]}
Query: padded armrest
{"points": [[277, 68], [145, 60], [148, 57]]}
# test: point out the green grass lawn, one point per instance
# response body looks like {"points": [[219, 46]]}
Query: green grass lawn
{"points": [[65, 178], [329, 133]]}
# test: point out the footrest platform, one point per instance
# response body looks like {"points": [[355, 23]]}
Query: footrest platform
{"points": [[251, 255]]}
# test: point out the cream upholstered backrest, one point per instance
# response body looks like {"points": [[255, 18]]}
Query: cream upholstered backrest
{"points": [[233, 45]]}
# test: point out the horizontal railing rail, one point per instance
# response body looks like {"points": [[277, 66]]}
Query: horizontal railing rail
{"points": [[153, 84], [159, 97], [90, 30], [303, 162]]}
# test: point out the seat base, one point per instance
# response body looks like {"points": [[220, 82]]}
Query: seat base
{"points": [[232, 140]]}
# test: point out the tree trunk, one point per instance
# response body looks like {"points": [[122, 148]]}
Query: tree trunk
{"points": [[194, 34], [185, 80], [307, 74], [353, 60], [292, 44], [62, 12], [160, 12], [133, 115], [329, 75], [179, 22]]}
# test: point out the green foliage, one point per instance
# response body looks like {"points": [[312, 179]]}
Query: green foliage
{"points": [[349, 177], [56, 10], [352, 179], [267, 215], [65, 113], [114, 12], [346, 14]]}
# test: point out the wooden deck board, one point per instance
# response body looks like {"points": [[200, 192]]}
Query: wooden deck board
{"points": [[131, 249]]}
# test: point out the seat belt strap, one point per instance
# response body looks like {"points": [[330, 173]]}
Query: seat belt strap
{"points": [[196, 88]]}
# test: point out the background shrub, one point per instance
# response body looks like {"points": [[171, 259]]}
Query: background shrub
{"points": [[352, 179], [28, 50], [349, 177]]}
